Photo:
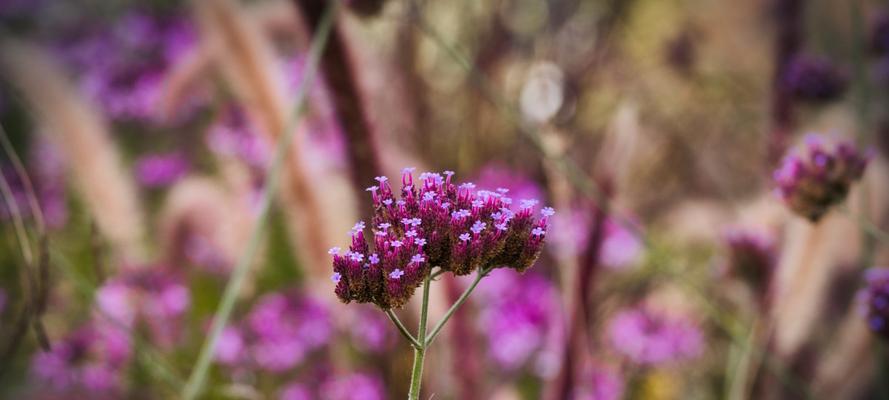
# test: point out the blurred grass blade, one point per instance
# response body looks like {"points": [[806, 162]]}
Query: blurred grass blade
{"points": [[198, 376]]}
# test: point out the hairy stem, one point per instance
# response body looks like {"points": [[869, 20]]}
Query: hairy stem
{"points": [[198, 376], [401, 328], [420, 352]]}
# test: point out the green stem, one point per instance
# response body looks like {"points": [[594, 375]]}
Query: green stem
{"points": [[420, 351], [198, 376], [401, 328], [435, 331]]}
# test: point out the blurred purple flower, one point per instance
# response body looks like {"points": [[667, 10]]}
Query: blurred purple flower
{"points": [[282, 329], [880, 34], [520, 315], [47, 165], [87, 361], [599, 383], [160, 170], [621, 248], [230, 348], [122, 66], [813, 79], [46, 173], [295, 391], [371, 331], [354, 386], [147, 296], [875, 298], [813, 180], [233, 135], [647, 338]]}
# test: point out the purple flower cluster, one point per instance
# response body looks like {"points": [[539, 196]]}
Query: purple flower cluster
{"points": [[812, 181], [875, 298], [150, 297], [880, 34], [434, 223], [122, 66], [89, 361], [278, 334], [520, 316], [159, 170], [813, 79], [648, 338], [751, 257], [352, 386], [599, 382]]}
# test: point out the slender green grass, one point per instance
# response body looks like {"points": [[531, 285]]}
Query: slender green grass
{"points": [[198, 377]]}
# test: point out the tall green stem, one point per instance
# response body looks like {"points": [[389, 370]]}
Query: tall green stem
{"points": [[420, 352], [195, 384]]}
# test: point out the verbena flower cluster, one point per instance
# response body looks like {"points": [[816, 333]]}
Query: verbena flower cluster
{"points": [[435, 222], [278, 334], [814, 79], [649, 338], [876, 301], [813, 180]]}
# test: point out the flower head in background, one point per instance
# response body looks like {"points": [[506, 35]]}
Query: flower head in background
{"points": [[149, 296], [88, 361], [122, 66], [751, 257], [599, 382], [233, 135], [875, 297], [282, 329], [370, 330], [520, 315], [819, 177], [880, 34], [648, 338], [353, 386], [435, 222], [813, 79], [160, 170]]}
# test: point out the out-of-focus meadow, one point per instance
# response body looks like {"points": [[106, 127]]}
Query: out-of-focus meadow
{"points": [[717, 169]]}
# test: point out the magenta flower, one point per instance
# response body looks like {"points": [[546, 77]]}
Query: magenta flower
{"points": [[647, 338], [520, 315], [87, 361], [599, 383], [122, 66], [875, 298], [354, 386], [232, 135], [434, 223], [159, 170], [813, 180], [148, 296], [281, 330]]}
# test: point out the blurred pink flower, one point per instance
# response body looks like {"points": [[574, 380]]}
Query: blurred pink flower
{"points": [[282, 329], [652, 339], [520, 316], [86, 361], [599, 383], [151, 296], [163, 169]]}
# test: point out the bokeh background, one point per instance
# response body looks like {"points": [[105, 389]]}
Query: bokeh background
{"points": [[139, 141]]}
